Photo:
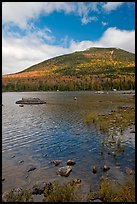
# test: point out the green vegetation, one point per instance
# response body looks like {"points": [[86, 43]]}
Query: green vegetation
{"points": [[61, 193], [116, 193], [20, 195], [112, 123], [108, 191], [92, 69]]}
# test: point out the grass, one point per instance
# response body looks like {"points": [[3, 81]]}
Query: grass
{"points": [[70, 192], [61, 193], [22, 195], [112, 125], [108, 191], [123, 193], [117, 120]]}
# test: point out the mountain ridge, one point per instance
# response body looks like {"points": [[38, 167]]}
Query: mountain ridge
{"points": [[108, 64]]}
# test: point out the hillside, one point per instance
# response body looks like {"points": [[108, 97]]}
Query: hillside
{"points": [[92, 69]]}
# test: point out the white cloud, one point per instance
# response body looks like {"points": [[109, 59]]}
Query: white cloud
{"points": [[114, 37], [104, 23], [86, 19], [20, 13], [109, 6], [20, 52]]}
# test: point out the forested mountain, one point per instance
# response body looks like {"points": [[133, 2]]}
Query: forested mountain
{"points": [[92, 69]]}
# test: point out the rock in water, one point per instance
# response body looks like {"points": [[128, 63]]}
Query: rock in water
{"points": [[94, 169], [64, 171], [106, 168], [56, 162], [32, 169], [3, 179], [21, 161], [70, 162], [130, 171]]}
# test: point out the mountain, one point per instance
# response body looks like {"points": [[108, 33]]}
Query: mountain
{"points": [[91, 69]]}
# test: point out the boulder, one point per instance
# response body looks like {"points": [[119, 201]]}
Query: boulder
{"points": [[64, 171], [70, 162]]}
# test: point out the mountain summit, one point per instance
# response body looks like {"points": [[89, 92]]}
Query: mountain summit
{"points": [[91, 69]]}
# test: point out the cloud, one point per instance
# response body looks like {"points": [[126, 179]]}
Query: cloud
{"points": [[104, 23], [86, 19], [109, 6], [20, 52], [20, 13], [114, 37]]}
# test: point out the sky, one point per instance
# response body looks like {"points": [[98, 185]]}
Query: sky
{"points": [[36, 31]]}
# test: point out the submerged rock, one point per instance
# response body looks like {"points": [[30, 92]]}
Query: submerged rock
{"points": [[70, 162], [56, 162], [12, 156], [32, 169], [21, 105], [64, 171], [21, 161], [106, 168], [3, 179], [94, 169]]}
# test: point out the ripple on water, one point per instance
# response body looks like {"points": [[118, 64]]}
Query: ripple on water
{"points": [[58, 131]]}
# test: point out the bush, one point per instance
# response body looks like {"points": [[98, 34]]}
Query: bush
{"points": [[60, 193]]}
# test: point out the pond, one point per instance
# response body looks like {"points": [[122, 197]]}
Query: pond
{"points": [[34, 135]]}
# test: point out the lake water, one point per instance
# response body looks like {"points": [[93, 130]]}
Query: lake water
{"points": [[38, 134]]}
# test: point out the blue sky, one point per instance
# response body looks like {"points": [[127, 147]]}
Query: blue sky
{"points": [[36, 31]]}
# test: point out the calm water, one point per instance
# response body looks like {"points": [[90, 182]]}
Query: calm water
{"points": [[37, 134]]}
